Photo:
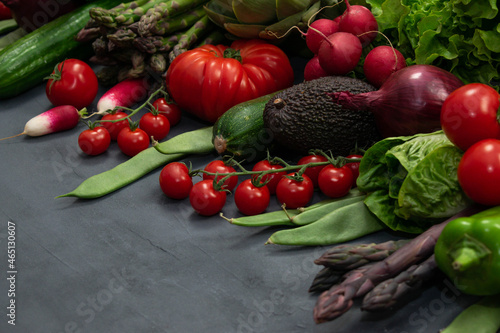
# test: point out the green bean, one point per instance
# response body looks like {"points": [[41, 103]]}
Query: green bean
{"points": [[278, 217], [341, 225], [481, 317], [194, 142]]}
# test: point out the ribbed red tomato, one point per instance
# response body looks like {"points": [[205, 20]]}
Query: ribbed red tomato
{"points": [[210, 79]]}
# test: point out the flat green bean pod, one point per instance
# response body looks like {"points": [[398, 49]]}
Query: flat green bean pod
{"points": [[193, 142], [278, 217], [341, 225], [481, 317]]}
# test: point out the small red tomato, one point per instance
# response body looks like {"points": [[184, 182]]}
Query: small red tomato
{"points": [[175, 180], [114, 128], [251, 199], [218, 166], [271, 178], [295, 193], [354, 166], [335, 182], [157, 126], [169, 110], [479, 172], [205, 199], [94, 140], [132, 141], [5, 12], [313, 172]]}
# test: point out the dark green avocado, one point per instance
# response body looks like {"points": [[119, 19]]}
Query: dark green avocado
{"points": [[304, 117]]}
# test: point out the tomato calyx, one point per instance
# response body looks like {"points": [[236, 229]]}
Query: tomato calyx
{"points": [[232, 53], [56, 75]]}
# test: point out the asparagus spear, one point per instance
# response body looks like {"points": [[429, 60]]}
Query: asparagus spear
{"points": [[155, 44], [169, 25], [201, 27], [127, 14], [158, 63], [339, 299], [328, 277]]}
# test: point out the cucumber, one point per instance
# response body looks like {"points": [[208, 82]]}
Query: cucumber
{"points": [[31, 58], [240, 130]]}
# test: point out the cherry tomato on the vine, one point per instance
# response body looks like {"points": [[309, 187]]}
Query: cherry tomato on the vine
{"points": [[156, 125], [354, 166], [251, 199], [175, 180], [479, 172], [469, 114], [132, 141], [294, 193], [218, 166], [73, 82], [335, 182], [114, 128], [313, 172], [271, 178], [169, 109], [205, 199], [94, 140]]}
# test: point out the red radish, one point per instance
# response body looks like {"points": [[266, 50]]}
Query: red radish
{"points": [[313, 69], [339, 53], [57, 119], [359, 20], [318, 31], [125, 93], [381, 62]]}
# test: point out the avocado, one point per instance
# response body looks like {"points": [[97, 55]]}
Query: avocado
{"points": [[304, 117]]}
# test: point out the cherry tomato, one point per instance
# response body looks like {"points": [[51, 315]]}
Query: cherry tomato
{"points": [[157, 126], [354, 166], [295, 193], [221, 167], [251, 199], [313, 172], [469, 114], [5, 12], [132, 141], [114, 128], [169, 110], [94, 140], [479, 172], [272, 178], [205, 199], [175, 180], [335, 182], [72, 82]]}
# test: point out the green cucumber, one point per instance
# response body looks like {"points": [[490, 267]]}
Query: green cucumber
{"points": [[31, 58], [240, 130]]}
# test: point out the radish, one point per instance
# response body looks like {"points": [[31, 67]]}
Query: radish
{"points": [[317, 32], [57, 119], [125, 94], [359, 21], [380, 63], [313, 69], [339, 53]]}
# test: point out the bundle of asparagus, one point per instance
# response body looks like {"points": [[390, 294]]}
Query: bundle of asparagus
{"points": [[143, 36]]}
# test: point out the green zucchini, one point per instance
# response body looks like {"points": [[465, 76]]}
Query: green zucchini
{"points": [[31, 58], [240, 130]]}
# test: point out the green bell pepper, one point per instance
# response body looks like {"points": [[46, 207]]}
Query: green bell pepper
{"points": [[468, 252]]}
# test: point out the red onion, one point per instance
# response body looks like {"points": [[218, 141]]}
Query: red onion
{"points": [[409, 102]]}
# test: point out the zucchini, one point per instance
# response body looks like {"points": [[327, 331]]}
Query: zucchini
{"points": [[240, 130], [28, 60]]}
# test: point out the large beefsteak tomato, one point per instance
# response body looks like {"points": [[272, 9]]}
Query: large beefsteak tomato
{"points": [[210, 79]]}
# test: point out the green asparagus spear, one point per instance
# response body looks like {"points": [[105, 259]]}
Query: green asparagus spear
{"points": [[200, 28]]}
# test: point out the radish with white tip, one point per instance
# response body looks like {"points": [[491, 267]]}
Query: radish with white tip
{"points": [[124, 94]]}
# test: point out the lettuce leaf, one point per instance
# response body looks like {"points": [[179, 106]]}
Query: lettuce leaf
{"points": [[461, 36]]}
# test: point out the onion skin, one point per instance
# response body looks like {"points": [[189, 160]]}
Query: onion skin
{"points": [[409, 101]]}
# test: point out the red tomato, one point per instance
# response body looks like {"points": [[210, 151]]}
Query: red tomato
{"points": [[313, 172], [479, 172], [220, 167], [175, 180], [72, 82], [272, 178], [5, 12], [354, 166], [94, 140], [469, 114], [295, 193], [208, 80], [157, 126], [251, 199], [335, 182], [132, 141], [205, 199], [169, 110], [114, 128]]}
